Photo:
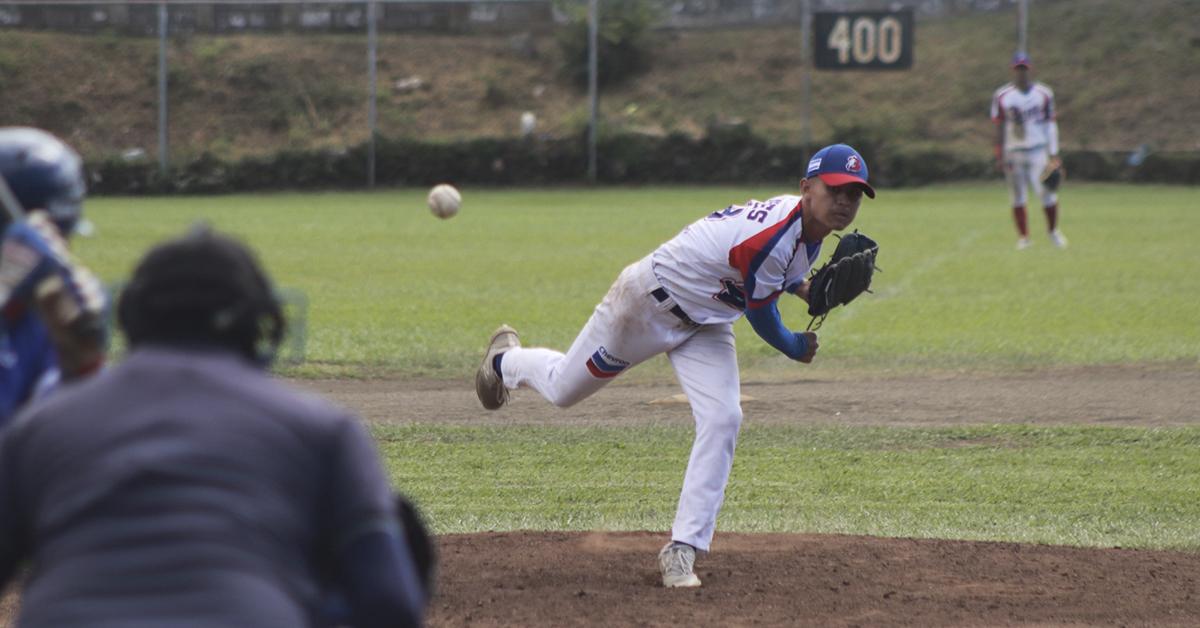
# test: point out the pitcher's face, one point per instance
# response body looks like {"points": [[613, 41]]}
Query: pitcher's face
{"points": [[832, 207]]}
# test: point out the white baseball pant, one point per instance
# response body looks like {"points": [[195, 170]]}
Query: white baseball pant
{"points": [[1025, 168], [628, 327]]}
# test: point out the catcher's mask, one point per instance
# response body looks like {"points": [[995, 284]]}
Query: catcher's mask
{"points": [[202, 289], [43, 173]]}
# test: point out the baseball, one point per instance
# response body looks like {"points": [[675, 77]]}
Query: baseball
{"points": [[444, 200]]}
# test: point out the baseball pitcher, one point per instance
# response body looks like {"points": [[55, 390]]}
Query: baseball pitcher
{"points": [[682, 300]]}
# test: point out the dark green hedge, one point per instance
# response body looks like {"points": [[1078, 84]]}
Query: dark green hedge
{"points": [[728, 155]]}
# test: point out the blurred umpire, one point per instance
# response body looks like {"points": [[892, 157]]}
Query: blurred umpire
{"points": [[52, 310], [188, 487]]}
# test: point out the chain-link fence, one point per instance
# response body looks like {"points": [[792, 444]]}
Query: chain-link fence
{"points": [[203, 85]]}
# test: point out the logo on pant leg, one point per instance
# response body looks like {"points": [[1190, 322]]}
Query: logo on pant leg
{"points": [[603, 365]]}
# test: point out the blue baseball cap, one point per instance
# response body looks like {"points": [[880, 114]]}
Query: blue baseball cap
{"points": [[1021, 59], [838, 165]]}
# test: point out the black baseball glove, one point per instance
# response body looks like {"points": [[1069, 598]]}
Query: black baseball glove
{"points": [[845, 276], [1053, 176]]}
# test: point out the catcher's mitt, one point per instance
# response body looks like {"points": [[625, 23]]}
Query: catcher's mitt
{"points": [[1053, 176], [845, 276]]}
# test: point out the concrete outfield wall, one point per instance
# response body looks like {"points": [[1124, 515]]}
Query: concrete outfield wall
{"points": [[141, 18]]}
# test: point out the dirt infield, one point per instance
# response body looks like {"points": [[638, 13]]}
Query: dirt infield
{"points": [[821, 581], [1117, 396], [558, 579]]}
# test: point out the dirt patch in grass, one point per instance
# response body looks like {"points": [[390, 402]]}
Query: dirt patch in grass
{"points": [[1146, 396]]}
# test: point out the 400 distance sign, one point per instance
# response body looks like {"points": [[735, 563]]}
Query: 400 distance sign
{"points": [[863, 40]]}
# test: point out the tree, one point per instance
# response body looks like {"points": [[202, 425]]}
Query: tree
{"points": [[623, 40]]}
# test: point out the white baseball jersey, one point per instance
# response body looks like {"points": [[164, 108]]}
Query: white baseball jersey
{"points": [[739, 258], [1030, 119]]}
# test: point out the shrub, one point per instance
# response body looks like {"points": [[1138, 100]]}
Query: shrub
{"points": [[623, 40], [730, 154]]}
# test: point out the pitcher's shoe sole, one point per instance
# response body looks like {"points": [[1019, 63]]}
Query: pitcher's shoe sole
{"points": [[489, 384]]}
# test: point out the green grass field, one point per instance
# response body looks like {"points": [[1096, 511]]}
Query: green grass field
{"points": [[1086, 486], [393, 291]]}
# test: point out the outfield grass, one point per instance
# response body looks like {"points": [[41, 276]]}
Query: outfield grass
{"points": [[1087, 486], [393, 290]]}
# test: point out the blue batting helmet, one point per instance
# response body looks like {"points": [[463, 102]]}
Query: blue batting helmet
{"points": [[43, 172]]}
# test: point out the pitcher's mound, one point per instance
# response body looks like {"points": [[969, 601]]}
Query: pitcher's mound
{"points": [[603, 579]]}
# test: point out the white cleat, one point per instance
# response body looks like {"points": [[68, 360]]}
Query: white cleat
{"points": [[1058, 239], [1024, 243], [675, 561], [489, 384]]}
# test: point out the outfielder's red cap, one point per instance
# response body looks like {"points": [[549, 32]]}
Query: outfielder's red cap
{"points": [[838, 165], [1021, 59]]}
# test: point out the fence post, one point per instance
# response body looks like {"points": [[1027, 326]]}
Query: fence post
{"points": [[593, 86], [1022, 25], [371, 49], [162, 89], [806, 71]]}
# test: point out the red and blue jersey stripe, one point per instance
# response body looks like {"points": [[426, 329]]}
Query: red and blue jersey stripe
{"points": [[749, 256]]}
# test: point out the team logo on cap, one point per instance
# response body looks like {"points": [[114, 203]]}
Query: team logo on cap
{"points": [[853, 164]]}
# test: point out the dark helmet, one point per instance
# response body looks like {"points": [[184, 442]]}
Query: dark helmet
{"points": [[43, 173], [202, 289]]}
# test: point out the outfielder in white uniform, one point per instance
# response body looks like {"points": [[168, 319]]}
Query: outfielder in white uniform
{"points": [[682, 300], [1026, 141]]}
